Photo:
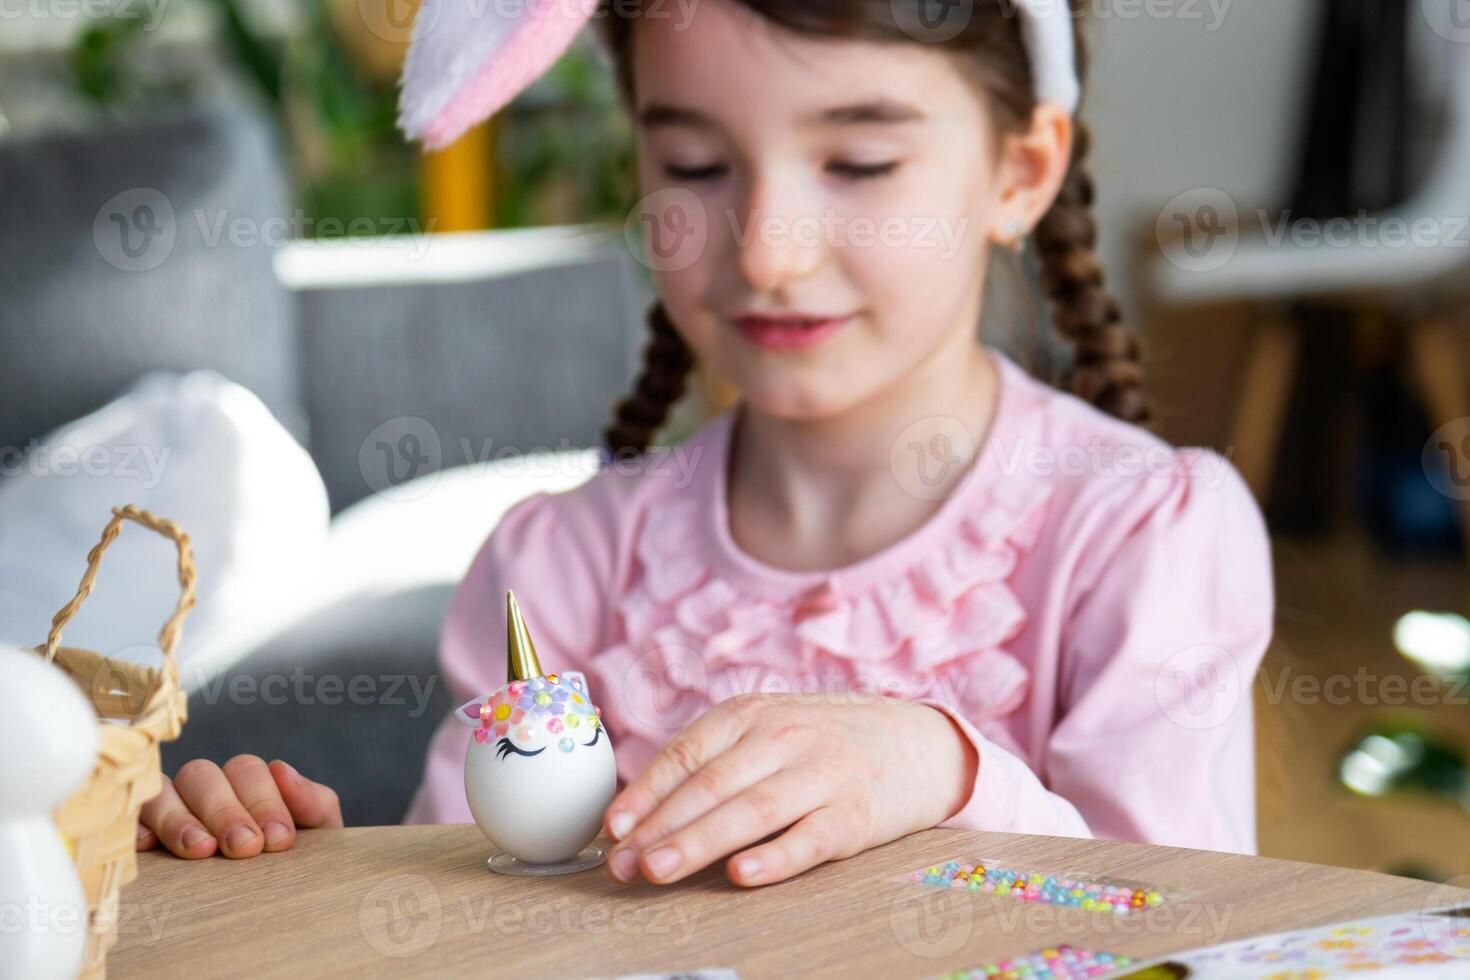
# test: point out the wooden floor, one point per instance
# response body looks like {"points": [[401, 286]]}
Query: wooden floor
{"points": [[1337, 602]]}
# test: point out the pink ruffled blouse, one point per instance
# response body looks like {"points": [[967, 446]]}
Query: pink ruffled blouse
{"points": [[1090, 607]]}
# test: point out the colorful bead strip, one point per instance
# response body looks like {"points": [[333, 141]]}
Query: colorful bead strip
{"points": [[1061, 963], [1090, 896]]}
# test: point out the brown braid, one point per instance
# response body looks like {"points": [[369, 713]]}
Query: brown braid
{"points": [[1106, 369], [667, 361]]}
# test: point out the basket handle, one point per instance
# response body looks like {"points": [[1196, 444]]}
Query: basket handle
{"points": [[168, 637]]}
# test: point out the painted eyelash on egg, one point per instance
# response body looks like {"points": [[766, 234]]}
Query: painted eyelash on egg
{"points": [[505, 747], [596, 734]]}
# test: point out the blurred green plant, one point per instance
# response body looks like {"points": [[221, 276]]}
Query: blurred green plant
{"points": [[1406, 754]]}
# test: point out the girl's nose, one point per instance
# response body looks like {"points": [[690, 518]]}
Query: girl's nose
{"points": [[779, 241]]}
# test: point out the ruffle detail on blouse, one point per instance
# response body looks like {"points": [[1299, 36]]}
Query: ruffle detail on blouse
{"points": [[692, 638]]}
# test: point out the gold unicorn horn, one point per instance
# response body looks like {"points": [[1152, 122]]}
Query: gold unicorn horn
{"points": [[522, 663]]}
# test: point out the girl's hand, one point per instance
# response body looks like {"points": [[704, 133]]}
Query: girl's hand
{"points": [[844, 775], [239, 810]]}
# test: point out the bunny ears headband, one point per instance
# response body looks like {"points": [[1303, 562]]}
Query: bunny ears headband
{"points": [[469, 58]]}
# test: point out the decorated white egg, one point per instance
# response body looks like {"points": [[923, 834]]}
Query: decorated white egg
{"points": [[539, 771]]}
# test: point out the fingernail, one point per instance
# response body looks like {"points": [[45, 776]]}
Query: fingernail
{"points": [[662, 862], [624, 864], [193, 836], [275, 832], [620, 823], [747, 868], [238, 838], [295, 776], [143, 832]]}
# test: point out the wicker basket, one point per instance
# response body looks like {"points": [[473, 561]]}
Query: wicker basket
{"points": [[137, 708]]}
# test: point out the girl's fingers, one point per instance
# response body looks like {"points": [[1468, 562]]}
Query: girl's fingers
{"points": [[175, 825], [688, 752], [763, 809], [311, 804], [206, 790], [822, 835], [746, 763], [147, 839], [260, 796]]}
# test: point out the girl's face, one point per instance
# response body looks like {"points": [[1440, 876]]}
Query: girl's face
{"points": [[815, 178]]}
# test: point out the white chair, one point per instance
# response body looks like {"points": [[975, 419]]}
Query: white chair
{"points": [[1423, 278]]}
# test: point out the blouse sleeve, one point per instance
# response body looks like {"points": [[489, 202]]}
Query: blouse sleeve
{"points": [[559, 572], [1166, 620]]}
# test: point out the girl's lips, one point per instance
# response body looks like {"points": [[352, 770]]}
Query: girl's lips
{"points": [[789, 333]]}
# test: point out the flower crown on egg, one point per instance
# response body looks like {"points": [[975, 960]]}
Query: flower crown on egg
{"points": [[533, 710]]}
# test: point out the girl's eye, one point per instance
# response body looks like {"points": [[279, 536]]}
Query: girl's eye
{"points": [[863, 171], [695, 173], [596, 734], [505, 747]]}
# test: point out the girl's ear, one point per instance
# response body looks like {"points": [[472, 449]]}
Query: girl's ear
{"points": [[469, 712], [469, 58]]}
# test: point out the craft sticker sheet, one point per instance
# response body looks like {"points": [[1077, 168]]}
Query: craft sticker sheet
{"points": [[1415, 946]]}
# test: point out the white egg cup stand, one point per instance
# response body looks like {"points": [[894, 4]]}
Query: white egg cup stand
{"points": [[590, 857]]}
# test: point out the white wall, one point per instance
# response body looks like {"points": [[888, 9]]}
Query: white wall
{"points": [[1206, 93]]}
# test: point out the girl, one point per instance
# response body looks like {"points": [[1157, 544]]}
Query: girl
{"points": [[902, 584]]}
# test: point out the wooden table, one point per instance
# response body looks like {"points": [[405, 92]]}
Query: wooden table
{"points": [[417, 901]]}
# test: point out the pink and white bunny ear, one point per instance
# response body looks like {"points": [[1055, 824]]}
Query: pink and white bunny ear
{"points": [[469, 58], [469, 712]]}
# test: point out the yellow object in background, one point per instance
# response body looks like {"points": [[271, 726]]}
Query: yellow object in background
{"points": [[455, 191]]}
